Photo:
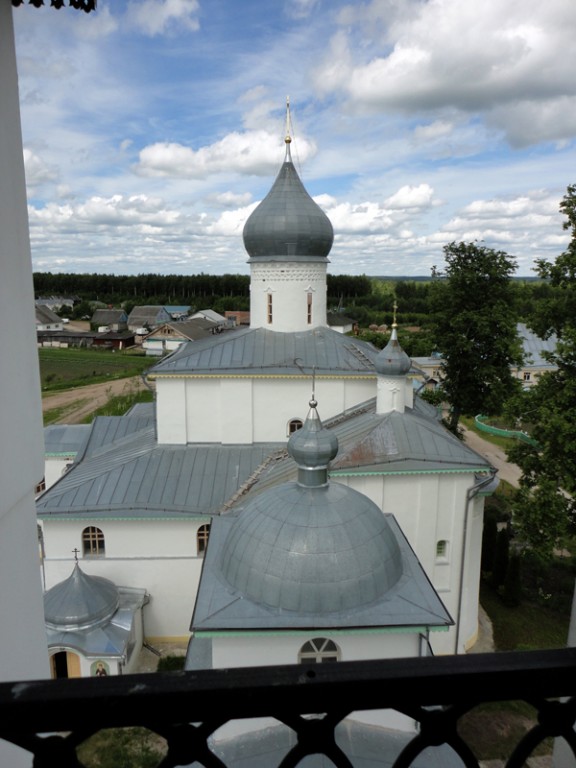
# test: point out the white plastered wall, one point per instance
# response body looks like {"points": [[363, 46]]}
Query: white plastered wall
{"points": [[248, 410], [289, 284], [279, 649], [158, 556], [430, 508]]}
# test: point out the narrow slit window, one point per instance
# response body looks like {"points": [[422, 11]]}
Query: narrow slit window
{"points": [[269, 308], [202, 538], [442, 549]]}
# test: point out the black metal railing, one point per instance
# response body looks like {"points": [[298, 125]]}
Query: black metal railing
{"points": [[52, 718]]}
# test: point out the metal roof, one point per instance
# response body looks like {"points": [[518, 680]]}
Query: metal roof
{"points": [[257, 351], [80, 602], [535, 347], [65, 439], [410, 602], [123, 472], [112, 638], [392, 443]]}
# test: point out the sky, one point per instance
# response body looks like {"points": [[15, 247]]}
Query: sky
{"points": [[152, 129]]}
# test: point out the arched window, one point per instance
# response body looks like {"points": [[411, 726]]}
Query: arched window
{"points": [[294, 425], [309, 308], [319, 651], [93, 542], [442, 550], [202, 538]]}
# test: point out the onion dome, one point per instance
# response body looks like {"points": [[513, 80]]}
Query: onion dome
{"points": [[392, 360], [311, 546], [80, 602], [313, 448], [288, 225]]}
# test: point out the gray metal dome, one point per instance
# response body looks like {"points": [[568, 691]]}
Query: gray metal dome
{"points": [[288, 225], [80, 602], [311, 546], [392, 360], [313, 448]]}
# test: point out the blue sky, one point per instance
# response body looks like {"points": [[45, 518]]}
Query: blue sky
{"points": [[153, 127]]}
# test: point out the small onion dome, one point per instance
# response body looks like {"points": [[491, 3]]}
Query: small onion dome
{"points": [[311, 545], [313, 447], [392, 360], [288, 225], [80, 602]]}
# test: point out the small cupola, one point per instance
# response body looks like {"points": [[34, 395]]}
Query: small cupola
{"points": [[392, 366]]}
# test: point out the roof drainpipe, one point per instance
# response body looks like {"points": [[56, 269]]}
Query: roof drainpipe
{"points": [[470, 494]]}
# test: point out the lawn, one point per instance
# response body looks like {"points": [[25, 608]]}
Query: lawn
{"points": [[65, 368], [492, 730]]}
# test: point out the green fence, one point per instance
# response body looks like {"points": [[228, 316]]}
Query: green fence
{"points": [[514, 434]]}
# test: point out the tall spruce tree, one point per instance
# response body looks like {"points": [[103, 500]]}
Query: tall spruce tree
{"points": [[475, 328]]}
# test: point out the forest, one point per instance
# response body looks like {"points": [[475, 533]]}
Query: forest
{"points": [[368, 300]]}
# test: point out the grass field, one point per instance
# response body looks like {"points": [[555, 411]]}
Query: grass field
{"points": [[65, 368]]}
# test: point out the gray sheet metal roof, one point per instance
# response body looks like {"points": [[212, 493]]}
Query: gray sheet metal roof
{"points": [[80, 602], [391, 443], [125, 473], [534, 347], [110, 639], [65, 439], [403, 442], [252, 352], [410, 602]]}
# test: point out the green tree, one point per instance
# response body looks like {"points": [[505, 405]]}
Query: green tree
{"points": [[501, 557], [474, 324], [512, 587], [545, 507]]}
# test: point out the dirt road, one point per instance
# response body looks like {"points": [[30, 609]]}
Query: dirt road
{"points": [[78, 403], [496, 456]]}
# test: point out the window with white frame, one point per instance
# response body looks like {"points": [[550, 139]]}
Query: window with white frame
{"points": [[93, 544], [202, 537], [294, 425]]}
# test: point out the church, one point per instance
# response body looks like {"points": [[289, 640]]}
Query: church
{"points": [[233, 512]]}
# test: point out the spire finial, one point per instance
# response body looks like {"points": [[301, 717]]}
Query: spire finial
{"points": [[313, 402], [76, 551], [288, 137], [395, 307]]}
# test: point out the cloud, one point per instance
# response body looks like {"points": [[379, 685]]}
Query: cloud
{"points": [[37, 171], [159, 17], [230, 199], [501, 58], [252, 152]]}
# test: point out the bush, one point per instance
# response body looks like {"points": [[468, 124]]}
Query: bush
{"points": [[171, 663]]}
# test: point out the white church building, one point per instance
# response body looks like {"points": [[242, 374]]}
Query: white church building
{"points": [[139, 502]]}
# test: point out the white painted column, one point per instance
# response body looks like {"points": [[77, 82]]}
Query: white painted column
{"points": [[22, 634]]}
